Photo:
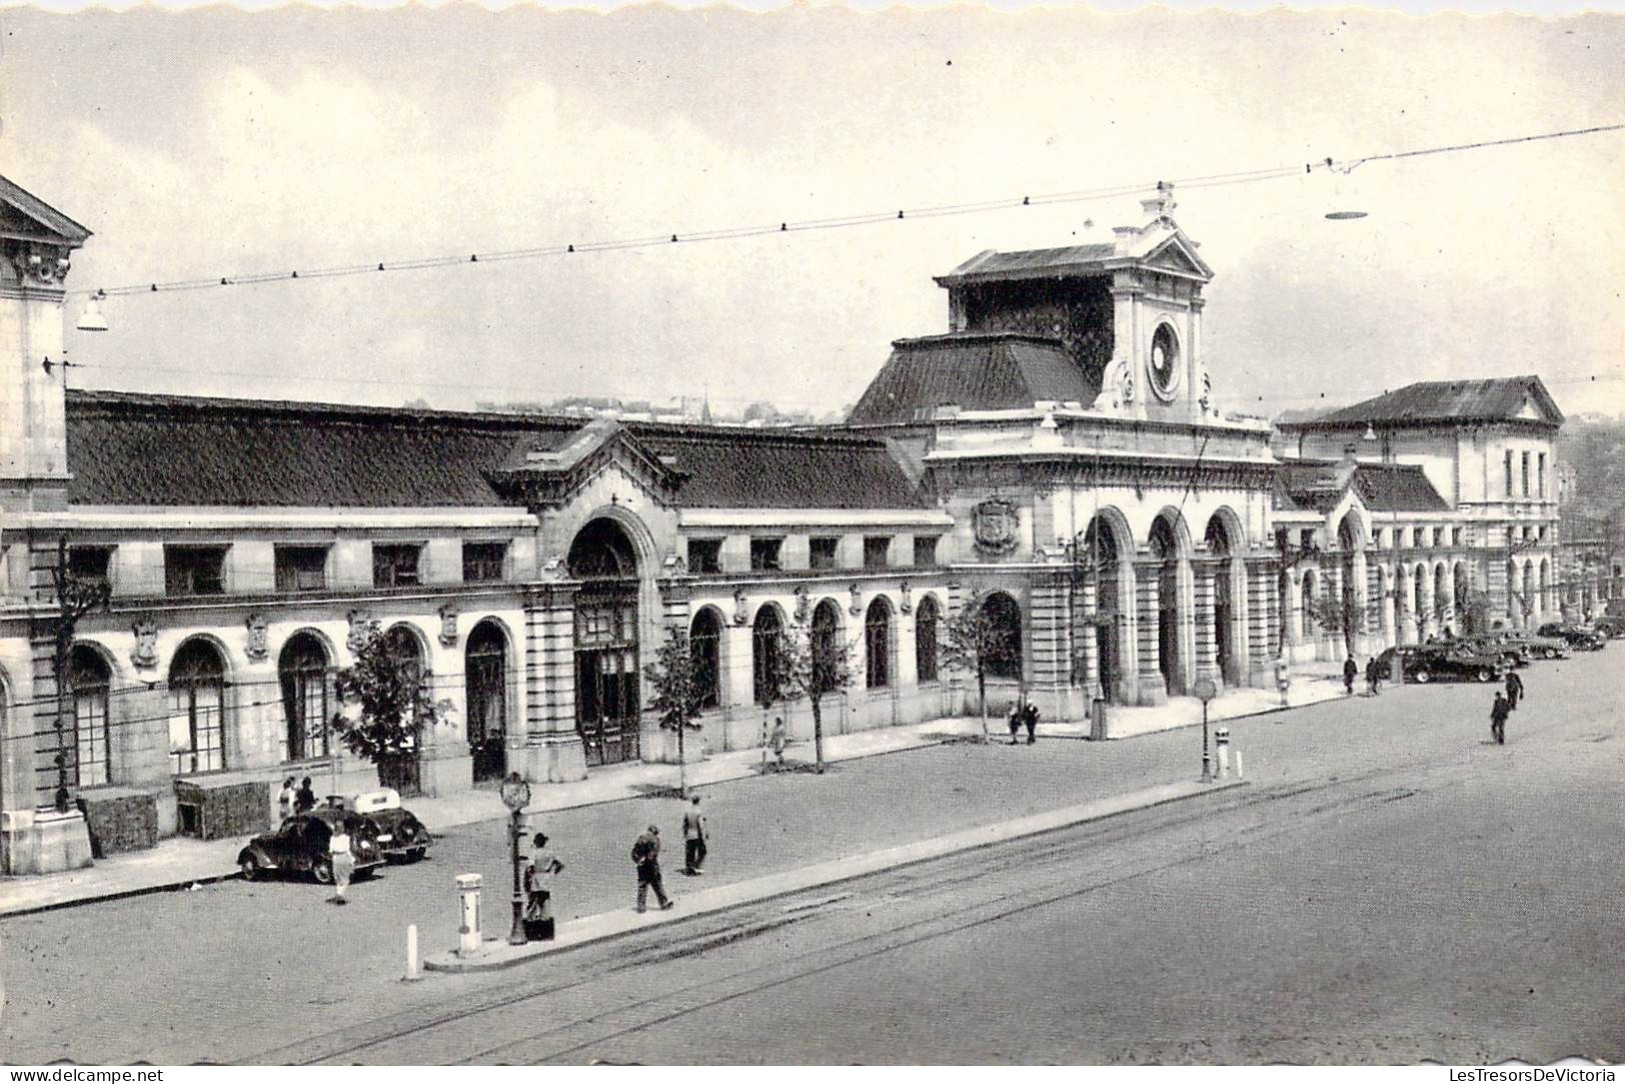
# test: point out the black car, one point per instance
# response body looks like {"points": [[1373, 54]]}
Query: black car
{"points": [[301, 845], [1611, 626], [1576, 636], [399, 835], [1513, 652], [1444, 662]]}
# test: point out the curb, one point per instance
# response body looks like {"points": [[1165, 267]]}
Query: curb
{"points": [[620, 924]]}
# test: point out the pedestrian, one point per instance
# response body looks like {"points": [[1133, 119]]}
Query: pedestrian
{"points": [[305, 800], [694, 839], [340, 861], [1498, 718], [1350, 670], [541, 865], [1030, 717], [778, 740], [646, 856], [1018, 712], [1514, 690], [285, 800]]}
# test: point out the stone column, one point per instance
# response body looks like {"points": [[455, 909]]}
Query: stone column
{"points": [[1153, 689], [1429, 623], [548, 747]]}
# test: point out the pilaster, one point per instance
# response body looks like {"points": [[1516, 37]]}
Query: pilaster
{"points": [[1153, 689], [548, 746]]}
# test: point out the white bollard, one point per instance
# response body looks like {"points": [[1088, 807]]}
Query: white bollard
{"points": [[412, 972], [468, 929], [1238, 764], [1224, 762]]}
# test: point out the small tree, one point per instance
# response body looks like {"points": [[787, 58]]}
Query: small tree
{"points": [[807, 664], [971, 640], [1330, 612], [679, 693], [395, 705]]}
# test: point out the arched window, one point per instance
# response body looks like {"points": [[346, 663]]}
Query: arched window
{"points": [[91, 682], [1307, 602], [302, 667], [485, 691], [764, 653], [704, 640], [877, 644], [197, 705], [926, 617], [826, 641], [1004, 615]]}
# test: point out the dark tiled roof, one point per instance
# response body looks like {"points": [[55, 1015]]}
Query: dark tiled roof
{"points": [[1077, 259], [1503, 399], [976, 371], [1317, 485], [131, 449]]}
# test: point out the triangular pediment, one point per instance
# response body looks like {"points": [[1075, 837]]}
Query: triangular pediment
{"points": [[26, 217], [550, 476], [1177, 255]]}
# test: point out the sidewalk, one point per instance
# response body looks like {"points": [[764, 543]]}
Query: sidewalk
{"points": [[181, 863], [496, 955]]}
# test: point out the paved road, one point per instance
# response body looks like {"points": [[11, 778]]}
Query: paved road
{"points": [[1358, 895]]}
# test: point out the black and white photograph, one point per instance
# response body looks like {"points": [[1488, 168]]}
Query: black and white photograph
{"points": [[812, 535]]}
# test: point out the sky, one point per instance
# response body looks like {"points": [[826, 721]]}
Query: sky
{"points": [[216, 142]]}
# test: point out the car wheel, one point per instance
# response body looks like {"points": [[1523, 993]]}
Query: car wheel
{"points": [[1485, 674], [1549, 653], [250, 867], [416, 854], [1422, 677], [323, 872]]}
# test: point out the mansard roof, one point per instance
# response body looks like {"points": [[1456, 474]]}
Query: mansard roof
{"points": [[1502, 399], [1317, 485], [974, 370], [160, 450]]}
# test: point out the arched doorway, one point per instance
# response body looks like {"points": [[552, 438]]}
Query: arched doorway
{"points": [[1166, 547], [705, 649], [302, 668], [927, 616], [1229, 583], [1442, 595], [606, 642], [1467, 621], [91, 680], [197, 699], [404, 773], [826, 641], [764, 653], [877, 645], [485, 690], [1308, 626], [1351, 562], [1004, 615], [1103, 557]]}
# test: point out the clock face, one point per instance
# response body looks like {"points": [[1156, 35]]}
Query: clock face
{"points": [[1164, 362]]}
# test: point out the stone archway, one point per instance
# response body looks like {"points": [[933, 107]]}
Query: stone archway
{"points": [[608, 685], [1107, 546], [1170, 546], [1227, 616]]}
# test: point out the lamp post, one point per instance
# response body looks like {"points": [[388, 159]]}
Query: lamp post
{"points": [[516, 796], [1396, 665], [1205, 691]]}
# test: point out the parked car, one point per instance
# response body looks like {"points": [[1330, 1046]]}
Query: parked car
{"points": [[300, 845], [1424, 663], [1514, 652], [400, 836], [1611, 625], [1540, 647], [1576, 636]]}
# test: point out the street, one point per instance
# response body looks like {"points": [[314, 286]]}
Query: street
{"points": [[1390, 887]]}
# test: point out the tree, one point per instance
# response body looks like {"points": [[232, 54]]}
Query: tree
{"points": [[971, 639], [811, 663], [679, 693], [1333, 613], [394, 701]]}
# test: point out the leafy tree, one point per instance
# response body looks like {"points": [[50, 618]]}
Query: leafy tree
{"points": [[971, 640], [810, 663], [1330, 612], [394, 700], [679, 693]]}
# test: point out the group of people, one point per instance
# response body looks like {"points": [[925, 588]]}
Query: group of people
{"points": [[1505, 704], [293, 801], [646, 856], [1023, 713], [1373, 676]]}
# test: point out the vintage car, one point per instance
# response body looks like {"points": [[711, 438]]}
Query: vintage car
{"points": [[1539, 647], [1513, 651], [1444, 662], [1611, 626], [1578, 637], [301, 844], [399, 835]]}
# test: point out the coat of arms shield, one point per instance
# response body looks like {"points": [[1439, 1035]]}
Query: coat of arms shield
{"points": [[997, 526]]}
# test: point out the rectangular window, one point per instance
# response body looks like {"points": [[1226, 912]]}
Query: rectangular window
{"points": [[876, 551], [395, 566], [89, 564], [301, 568], [764, 554], [1540, 475], [484, 562], [821, 553], [1526, 474], [194, 570], [1509, 472], [705, 556], [925, 551], [1455, 536]]}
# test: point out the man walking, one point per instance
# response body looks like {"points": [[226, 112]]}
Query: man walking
{"points": [[1351, 670], [693, 839], [646, 857], [1498, 718], [1373, 676], [1514, 690], [1030, 718]]}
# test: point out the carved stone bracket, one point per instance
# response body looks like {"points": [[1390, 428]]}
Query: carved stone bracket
{"points": [[38, 263], [741, 607], [448, 625], [144, 655], [257, 648], [905, 601], [803, 604], [360, 622], [856, 608]]}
